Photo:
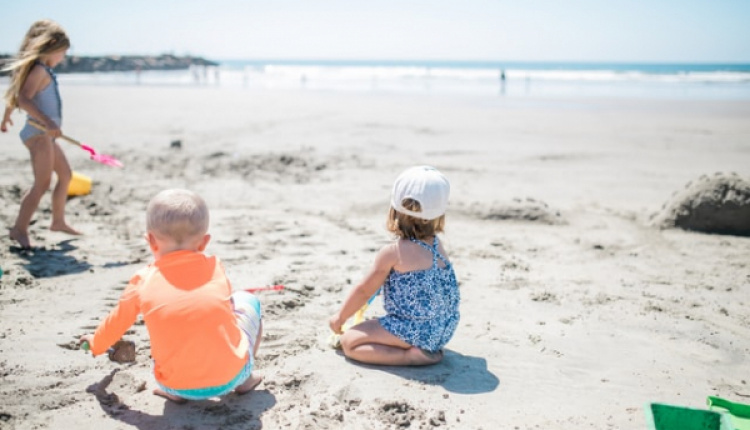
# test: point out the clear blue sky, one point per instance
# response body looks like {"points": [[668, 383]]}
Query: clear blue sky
{"points": [[500, 30]]}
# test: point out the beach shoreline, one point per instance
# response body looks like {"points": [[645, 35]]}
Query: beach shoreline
{"points": [[576, 312]]}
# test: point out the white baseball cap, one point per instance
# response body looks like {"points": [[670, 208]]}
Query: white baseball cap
{"points": [[427, 186]]}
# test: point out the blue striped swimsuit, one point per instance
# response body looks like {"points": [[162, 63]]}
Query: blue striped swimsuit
{"points": [[422, 305], [49, 102]]}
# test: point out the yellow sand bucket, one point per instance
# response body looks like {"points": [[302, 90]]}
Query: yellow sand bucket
{"points": [[80, 185]]}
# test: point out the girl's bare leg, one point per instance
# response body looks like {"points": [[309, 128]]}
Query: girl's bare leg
{"points": [[258, 339], [254, 380], [42, 153], [60, 193], [369, 342]]}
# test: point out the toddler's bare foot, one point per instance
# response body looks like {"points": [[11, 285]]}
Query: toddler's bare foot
{"points": [[422, 357], [21, 237], [179, 400], [252, 382], [65, 228]]}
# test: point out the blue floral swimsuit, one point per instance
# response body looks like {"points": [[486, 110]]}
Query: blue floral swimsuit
{"points": [[422, 305]]}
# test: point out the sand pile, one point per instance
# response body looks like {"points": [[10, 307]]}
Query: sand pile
{"points": [[518, 209], [718, 204]]}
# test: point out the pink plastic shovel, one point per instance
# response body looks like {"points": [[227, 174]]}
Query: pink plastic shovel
{"points": [[100, 158]]}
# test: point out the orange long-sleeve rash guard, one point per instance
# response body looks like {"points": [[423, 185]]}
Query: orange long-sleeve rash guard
{"points": [[185, 299]]}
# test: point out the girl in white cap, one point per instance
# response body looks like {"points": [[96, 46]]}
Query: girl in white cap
{"points": [[420, 291]]}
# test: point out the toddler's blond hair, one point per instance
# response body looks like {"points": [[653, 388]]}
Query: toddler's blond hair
{"points": [[177, 215], [409, 227]]}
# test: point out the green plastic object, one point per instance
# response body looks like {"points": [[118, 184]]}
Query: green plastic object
{"points": [[738, 413], [737, 409], [85, 346], [660, 416]]}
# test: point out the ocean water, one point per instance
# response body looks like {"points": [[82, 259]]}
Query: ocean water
{"points": [[493, 79]]}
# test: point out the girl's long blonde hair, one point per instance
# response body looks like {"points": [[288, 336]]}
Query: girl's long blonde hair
{"points": [[44, 37]]}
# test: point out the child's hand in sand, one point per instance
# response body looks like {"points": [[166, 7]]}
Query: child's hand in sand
{"points": [[335, 323], [85, 341], [123, 351]]}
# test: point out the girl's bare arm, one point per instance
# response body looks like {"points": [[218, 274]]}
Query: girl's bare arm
{"points": [[6, 119], [385, 260]]}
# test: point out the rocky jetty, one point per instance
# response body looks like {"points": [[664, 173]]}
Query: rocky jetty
{"points": [[124, 63]]}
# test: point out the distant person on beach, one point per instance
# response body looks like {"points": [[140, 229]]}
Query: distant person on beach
{"points": [[33, 88], [420, 291], [204, 337]]}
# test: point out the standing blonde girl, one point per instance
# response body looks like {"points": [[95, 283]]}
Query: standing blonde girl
{"points": [[420, 291], [33, 88]]}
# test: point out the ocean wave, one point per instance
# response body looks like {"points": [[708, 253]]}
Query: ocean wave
{"points": [[487, 74], [526, 80]]}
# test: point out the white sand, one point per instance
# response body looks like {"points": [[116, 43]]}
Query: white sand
{"points": [[571, 322]]}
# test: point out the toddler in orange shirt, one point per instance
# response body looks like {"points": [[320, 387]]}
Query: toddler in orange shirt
{"points": [[204, 337]]}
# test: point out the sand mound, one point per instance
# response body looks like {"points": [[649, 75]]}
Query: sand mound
{"points": [[718, 204], [526, 209]]}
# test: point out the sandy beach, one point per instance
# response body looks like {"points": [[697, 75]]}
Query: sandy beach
{"points": [[576, 310]]}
